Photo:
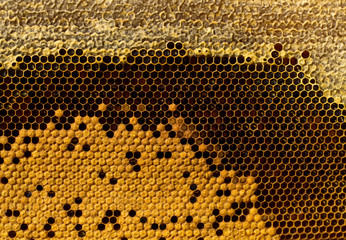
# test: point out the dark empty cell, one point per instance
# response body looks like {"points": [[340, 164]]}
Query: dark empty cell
{"points": [[113, 181], [113, 220], [27, 154], [82, 126], [15, 160], [101, 227], [129, 155], [278, 46], [209, 161], [78, 200], [186, 174], [74, 140], [234, 218], [216, 174], [136, 168], [143, 220], [39, 188], [51, 194], [168, 127], [194, 148], [227, 218], [47, 227], [242, 205], [86, 147], [200, 225], [220, 167], [170, 45], [162, 226], [183, 141], [275, 54], [67, 126], [79, 51], [193, 199], [212, 167], [215, 225], [116, 226], [242, 218], [189, 219], [198, 154], [70, 147], [109, 213], [70, 213], [67, 207], [227, 193], [197, 193], [79, 213], [7, 147], [174, 219], [154, 226], [8, 213], [1, 160], [145, 128], [160, 154], [110, 134], [81, 233], [51, 234], [27, 194], [235, 205], [117, 213], [105, 220], [156, 134], [168, 154], [305, 54], [132, 213], [24, 226], [129, 127], [133, 161], [12, 234], [27, 140], [102, 175], [78, 227], [227, 180], [219, 232], [16, 213], [219, 193], [136, 155], [51, 220], [70, 51], [216, 212], [193, 186], [62, 51], [219, 218]]}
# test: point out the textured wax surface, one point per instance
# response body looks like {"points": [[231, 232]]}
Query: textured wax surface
{"points": [[107, 26], [162, 145], [172, 120]]}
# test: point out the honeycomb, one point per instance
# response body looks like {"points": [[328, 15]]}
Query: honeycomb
{"points": [[169, 143], [107, 27]]}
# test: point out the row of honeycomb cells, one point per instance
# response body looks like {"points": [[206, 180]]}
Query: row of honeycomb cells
{"points": [[260, 134]]}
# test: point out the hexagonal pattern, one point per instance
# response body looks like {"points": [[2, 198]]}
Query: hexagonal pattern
{"points": [[169, 144]]}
